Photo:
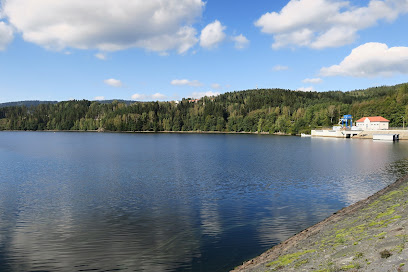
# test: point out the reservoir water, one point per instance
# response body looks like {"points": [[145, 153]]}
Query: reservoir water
{"points": [[173, 202]]}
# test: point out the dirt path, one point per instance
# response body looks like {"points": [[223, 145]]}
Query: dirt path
{"points": [[370, 235]]}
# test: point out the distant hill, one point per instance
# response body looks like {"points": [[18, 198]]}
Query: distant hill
{"points": [[127, 102], [27, 103]]}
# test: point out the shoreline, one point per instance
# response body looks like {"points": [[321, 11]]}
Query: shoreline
{"points": [[347, 231], [193, 132], [164, 132]]}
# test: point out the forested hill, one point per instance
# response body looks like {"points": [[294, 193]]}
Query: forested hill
{"points": [[27, 103], [265, 110]]}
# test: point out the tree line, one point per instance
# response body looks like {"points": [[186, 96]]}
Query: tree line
{"points": [[264, 110]]}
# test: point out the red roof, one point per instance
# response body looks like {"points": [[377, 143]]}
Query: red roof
{"points": [[373, 119]]}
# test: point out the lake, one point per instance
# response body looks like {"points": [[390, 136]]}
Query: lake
{"points": [[173, 202]]}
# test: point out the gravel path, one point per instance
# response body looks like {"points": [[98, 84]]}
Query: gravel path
{"points": [[371, 235]]}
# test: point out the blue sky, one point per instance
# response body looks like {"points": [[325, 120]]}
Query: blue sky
{"points": [[170, 49]]}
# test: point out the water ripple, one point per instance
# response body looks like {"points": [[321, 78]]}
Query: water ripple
{"points": [[137, 202]]}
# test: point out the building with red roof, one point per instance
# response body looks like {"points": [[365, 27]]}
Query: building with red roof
{"points": [[373, 123]]}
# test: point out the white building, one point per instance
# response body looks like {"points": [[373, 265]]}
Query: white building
{"points": [[373, 123]]}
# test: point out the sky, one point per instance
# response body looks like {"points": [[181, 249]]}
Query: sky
{"points": [[172, 49]]}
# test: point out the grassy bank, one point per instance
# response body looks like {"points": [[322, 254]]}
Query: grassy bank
{"points": [[371, 235]]}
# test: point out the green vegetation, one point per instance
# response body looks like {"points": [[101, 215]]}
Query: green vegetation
{"points": [[358, 255], [350, 266], [288, 259], [399, 248], [385, 254], [266, 110], [380, 235], [302, 262]]}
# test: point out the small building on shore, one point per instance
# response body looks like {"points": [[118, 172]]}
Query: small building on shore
{"points": [[373, 123]]}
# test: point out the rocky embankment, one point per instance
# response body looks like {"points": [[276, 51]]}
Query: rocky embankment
{"points": [[371, 235]]}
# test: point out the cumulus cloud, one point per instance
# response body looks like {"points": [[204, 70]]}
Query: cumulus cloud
{"points": [[326, 23], [137, 96], [101, 56], [241, 42], [280, 68], [6, 35], [186, 82], [202, 94], [99, 98], [306, 89], [370, 60], [212, 35], [156, 96], [109, 25], [113, 82], [313, 80]]}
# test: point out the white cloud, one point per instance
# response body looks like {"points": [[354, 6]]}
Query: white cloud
{"points": [[335, 37], [370, 60], [306, 89], [113, 82], [313, 80], [216, 86], [182, 41], [101, 56], [108, 25], [241, 42], [6, 35], [326, 23], [280, 68], [212, 35], [139, 97], [186, 82], [99, 98], [202, 94], [156, 96]]}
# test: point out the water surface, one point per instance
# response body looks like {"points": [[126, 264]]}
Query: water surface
{"points": [[173, 202]]}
